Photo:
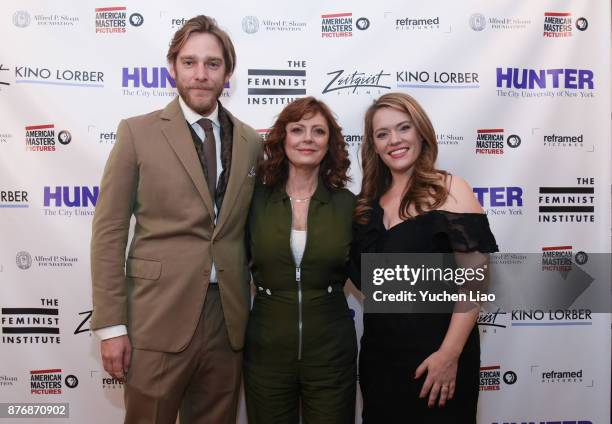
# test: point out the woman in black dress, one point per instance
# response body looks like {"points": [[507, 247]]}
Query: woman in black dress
{"points": [[416, 368]]}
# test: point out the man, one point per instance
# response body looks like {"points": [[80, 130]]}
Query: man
{"points": [[172, 316]]}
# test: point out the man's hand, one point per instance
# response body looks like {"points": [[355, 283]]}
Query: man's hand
{"points": [[116, 355]]}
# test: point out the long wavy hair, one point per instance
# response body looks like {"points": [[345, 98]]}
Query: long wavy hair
{"points": [[273, 167], [426, 188]]}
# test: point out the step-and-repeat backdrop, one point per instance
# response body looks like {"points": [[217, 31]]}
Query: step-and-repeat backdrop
{"points": [[518, 92]]}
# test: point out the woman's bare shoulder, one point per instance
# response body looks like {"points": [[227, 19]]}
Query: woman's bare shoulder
{"points": [[461, 197]]}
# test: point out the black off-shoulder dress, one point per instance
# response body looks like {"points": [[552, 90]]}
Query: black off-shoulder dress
{"points": [[394, 345]]}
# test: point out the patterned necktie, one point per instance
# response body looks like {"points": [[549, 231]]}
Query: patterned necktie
{"points": [[208, 155]]}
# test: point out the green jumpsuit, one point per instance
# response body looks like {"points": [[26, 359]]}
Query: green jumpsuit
{"points": [[301, 348]]}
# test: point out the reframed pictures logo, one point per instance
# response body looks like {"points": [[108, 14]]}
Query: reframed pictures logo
{"points": [[568, 142], [176, 23], [107, 382], [5, 137], [104, 136], [116, 20], [416, 23], [353, 141], [277, 86], [561, 375]]}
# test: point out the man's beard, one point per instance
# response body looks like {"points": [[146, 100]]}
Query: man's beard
{"points": [[199, 108]]}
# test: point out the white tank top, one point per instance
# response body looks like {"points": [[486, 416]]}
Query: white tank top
{"points": [[298, 244]]}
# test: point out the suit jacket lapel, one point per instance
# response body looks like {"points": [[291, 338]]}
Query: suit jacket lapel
{"points": [[178, 136], [239, 170]]}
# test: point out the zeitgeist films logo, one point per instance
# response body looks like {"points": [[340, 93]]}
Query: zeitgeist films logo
{"points": [[354, 82], [3, 82]]}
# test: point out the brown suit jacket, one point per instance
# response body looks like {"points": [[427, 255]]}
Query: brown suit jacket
{"points": [[154, 174]]}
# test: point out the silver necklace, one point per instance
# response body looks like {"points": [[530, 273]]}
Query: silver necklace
{"points": [[304, 200]]}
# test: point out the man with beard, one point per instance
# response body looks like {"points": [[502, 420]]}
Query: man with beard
{"points": [[172, 315]]}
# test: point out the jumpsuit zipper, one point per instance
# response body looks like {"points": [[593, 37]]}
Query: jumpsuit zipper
{"points": [[298, 280]]}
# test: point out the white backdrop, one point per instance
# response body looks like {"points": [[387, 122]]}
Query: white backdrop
{"points": [[520, 73]]}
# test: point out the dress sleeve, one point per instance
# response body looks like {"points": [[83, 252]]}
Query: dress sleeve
{"points": [[470, 238], [467, 232]]}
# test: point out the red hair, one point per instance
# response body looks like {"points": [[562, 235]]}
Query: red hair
{"points": [[273, 169]]}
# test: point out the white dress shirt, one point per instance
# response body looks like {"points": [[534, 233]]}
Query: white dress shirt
{"points": [[192, 118]]}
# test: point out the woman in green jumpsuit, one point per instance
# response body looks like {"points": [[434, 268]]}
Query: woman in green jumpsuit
{"points": [[300, 352]]}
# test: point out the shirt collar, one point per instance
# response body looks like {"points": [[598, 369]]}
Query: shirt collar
{"points": [[192, 116]]}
